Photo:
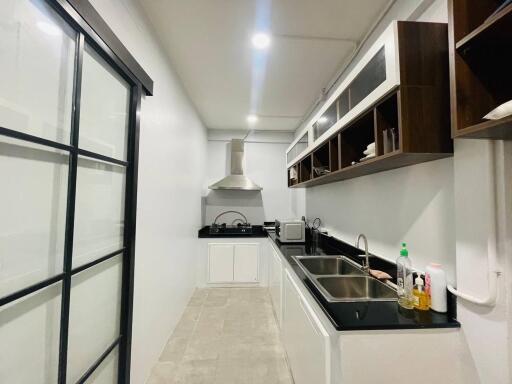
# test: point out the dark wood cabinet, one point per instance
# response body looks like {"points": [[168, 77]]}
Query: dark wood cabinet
{"points": [[409, 125], [480, 67]]}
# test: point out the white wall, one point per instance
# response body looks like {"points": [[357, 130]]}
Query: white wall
{"points": [[171, 173], [413, 204], [442, 210], [265, 164], [487, 330]]}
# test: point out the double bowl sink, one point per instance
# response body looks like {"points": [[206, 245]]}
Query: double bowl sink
{"points": [[339, 279]]}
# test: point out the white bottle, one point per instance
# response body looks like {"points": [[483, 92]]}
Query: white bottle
{"points": [[435, 280], [404, 279]]}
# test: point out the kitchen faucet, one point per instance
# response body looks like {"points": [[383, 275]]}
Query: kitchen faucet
{"points": [[366, 267]]}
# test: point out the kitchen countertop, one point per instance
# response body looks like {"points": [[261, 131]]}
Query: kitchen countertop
{"points": [[257, 232], [371, 315]]}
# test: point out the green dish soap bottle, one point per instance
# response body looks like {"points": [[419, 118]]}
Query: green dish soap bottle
{"points": [[404, 279]]}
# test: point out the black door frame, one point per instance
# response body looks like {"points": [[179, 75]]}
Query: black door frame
{"points": [[80, 15]]}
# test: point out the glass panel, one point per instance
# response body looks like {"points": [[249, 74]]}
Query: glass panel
{"points": [[33, 213], [37, 51], [99, 212], [94, 315], [104, 108], [343, 104], [29, 338], [297, 149], [326, 121], [372, 75], [106, 373]]}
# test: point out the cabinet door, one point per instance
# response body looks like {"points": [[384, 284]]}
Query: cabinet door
{"points": [[301, 329], [220, 263], [246, 263], [275, 285]]}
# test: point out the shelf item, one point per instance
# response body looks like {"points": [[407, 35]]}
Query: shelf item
{"points": [[500, 112], [321, 160], [293, 175], [480, 62], [367, 157], [356, 137], [409, 124]]}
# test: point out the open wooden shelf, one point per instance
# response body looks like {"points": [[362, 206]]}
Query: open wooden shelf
{"points": [[321, 160], [480, 67], [348, 146], [334, 153], [305, 170], [392, 160], [409, 125], [293, 175], [496, 28], [491, 129]]}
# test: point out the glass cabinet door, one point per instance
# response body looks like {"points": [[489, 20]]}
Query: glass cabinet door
{"points": [[297, 149], [370, 77]]}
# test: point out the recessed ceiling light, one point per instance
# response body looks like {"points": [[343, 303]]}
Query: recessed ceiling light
{"points": [[252, 119], [260, 40]]}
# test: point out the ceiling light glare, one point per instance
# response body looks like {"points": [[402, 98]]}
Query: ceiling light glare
{"points": [[49, 28], [252, 119], [261, 40]]}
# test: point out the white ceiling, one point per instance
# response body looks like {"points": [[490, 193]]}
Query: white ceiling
{"points": [[208, 42]]}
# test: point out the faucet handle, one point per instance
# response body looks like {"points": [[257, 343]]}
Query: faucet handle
{"points": [[363, 255]]}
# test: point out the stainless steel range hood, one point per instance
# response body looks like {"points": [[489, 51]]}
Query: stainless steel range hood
{"points": [[236, 180]]}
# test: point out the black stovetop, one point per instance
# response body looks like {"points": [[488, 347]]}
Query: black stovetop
{"points": [[232, 231], [238, 229]]}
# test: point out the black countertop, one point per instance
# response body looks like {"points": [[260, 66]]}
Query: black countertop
{"points": [[364, 315], [257, 231]]}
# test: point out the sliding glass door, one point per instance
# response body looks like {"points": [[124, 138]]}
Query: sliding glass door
{"points": [[68, 154]]}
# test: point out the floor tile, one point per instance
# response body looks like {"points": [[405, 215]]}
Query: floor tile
{"points": [[226, 335]]}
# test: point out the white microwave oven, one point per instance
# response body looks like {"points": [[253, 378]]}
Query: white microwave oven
{"points": [[291, 231]]}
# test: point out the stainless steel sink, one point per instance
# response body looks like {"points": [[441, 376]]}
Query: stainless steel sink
{"points": [[339, 279], [329, 265], [355, 288]]}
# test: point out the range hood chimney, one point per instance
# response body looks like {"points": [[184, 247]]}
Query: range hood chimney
{"points": [[236, 180]]}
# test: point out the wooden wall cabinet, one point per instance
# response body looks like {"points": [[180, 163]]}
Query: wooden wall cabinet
{"points": [[409, 124], [480, 67]]}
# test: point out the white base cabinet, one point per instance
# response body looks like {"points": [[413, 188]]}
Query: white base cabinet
{"points": [[319, 354], [276, 284], [307, 343], [245, 263], [220, 263], [233, 263]]}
